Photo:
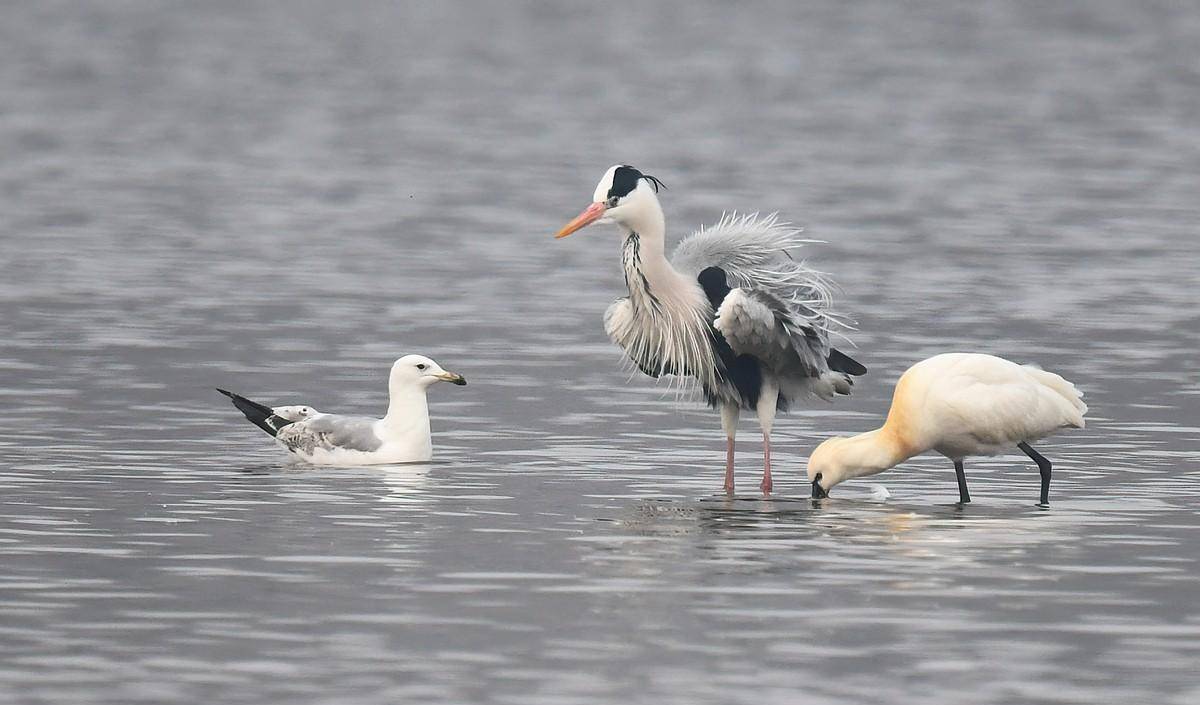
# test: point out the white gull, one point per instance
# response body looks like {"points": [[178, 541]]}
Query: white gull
{"points": [[401, 436]]}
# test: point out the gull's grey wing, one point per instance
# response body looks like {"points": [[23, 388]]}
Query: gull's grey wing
{"points": [[331, 432]]}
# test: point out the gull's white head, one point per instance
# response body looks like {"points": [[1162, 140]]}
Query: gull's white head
{"points": [[420, 371], [624, 195]]}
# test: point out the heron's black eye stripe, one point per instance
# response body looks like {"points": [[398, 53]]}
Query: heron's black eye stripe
{"points": [[612, 202], [625, 179]]}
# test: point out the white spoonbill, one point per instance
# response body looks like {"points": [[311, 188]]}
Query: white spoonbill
{"points": [[958, 404], [731, 308], [401, 436]]}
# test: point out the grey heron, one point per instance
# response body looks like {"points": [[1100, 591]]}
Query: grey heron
{"points": [[958, 404], [730, 309], [401, 436]]}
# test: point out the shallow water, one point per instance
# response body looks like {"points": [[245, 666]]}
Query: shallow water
{"points": [[282, 199]]}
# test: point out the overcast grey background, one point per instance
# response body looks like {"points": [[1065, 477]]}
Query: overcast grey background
{"points": [[281, 198]]}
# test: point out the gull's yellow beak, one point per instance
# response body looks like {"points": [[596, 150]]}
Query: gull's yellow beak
{"points": [[452, 378], [589, 215]]}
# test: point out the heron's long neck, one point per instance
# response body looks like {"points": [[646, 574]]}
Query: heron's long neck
{"points": [[649, 276], [408, 412], [669, 331]]}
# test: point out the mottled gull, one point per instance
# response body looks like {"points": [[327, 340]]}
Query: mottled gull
{"points": [[401, 436]]}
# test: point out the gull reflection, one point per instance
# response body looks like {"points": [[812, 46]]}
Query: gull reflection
{"points": [[405, 484]]}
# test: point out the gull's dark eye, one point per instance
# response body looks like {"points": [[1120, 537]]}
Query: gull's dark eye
{"points": [[612, 202], [421, 366]]}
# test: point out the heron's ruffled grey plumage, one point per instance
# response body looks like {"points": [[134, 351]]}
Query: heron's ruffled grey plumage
{"points": [[779, 310], [759, 324], [756, 254]]}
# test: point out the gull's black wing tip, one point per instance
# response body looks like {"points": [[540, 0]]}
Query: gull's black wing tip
{"points": [[257, 414]]}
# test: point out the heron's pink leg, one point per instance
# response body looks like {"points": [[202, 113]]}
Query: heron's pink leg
{"points": [[729, 465], [766, 481], [767, 399], [729, 419]]}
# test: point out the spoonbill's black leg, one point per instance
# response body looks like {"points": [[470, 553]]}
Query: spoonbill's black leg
{"points": [[963, 495], [1043, 467]]}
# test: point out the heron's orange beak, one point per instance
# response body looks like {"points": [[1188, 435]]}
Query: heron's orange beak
{"points": [[589, 215]]}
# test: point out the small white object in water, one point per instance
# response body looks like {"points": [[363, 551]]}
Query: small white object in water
{"points": [[879, 492]]}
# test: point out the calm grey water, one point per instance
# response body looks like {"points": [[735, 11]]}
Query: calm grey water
{"points": [[282, 198]]}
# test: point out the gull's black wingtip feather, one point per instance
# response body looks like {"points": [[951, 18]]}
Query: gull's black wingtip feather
{"points": [[256, 413]]}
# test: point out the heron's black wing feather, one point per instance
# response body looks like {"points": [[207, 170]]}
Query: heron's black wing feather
{"points": [[841, 362]]}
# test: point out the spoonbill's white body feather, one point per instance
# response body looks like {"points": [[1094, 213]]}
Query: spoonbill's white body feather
{"points": [[971, 404], [959, 405]]}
